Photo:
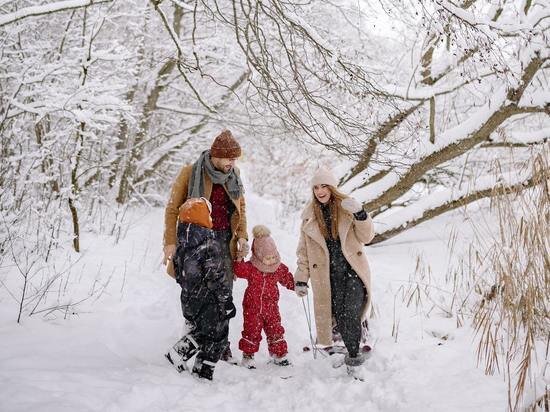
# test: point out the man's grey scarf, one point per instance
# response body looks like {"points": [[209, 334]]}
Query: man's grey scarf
{"points": [[231, 180]]}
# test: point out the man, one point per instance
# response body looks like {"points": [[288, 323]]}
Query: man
{"points": [[215, 177]]}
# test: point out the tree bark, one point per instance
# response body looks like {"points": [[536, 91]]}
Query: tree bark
{"points": [[136, 152]]}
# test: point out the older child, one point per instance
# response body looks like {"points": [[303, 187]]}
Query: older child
{"points": [[260, 304], [205, 299]]}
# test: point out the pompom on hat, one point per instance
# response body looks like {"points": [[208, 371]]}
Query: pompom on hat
{"points": [[225, 146], [263, 245], [324, 176], [260, 231], [196, 210]]}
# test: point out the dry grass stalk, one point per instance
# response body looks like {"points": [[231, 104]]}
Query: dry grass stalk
{"points": [[513, 312]]}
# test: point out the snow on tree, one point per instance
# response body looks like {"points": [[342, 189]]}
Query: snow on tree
{"points": [[104, 101]]}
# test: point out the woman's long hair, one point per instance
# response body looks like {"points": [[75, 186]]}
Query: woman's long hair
{"points": [[335, 210]]}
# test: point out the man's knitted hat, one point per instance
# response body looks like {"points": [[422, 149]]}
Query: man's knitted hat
{"points": [[225, 146]]}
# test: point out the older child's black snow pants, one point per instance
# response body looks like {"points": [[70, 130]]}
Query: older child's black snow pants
{"points": [[348, 297], [209, 329]]}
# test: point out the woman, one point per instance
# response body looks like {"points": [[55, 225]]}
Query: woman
{"points": [[330, 253]]}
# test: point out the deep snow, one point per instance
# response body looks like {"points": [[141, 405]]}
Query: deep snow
{"points": [[109, 356]]}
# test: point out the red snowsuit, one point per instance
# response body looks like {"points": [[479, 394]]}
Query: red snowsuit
{"points": [[261, 309]]}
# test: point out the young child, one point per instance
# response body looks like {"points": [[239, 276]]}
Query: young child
{"points": [[261, 297], [206, 302]]}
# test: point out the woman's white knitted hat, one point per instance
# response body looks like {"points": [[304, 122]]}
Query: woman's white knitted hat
{"points": [[324, 176]]}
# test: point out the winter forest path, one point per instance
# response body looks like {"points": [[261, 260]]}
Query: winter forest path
{"points": [[109, 357]]}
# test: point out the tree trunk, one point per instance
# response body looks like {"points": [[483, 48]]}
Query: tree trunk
{"points": [[136, 152]]}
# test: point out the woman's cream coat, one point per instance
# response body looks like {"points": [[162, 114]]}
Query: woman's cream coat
{"points": [[313, 263]]}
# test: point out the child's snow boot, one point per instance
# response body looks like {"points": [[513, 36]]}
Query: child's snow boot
{"points": [[248, 361], [181, 352], [204, 369], [176, 360], [186, 347], [281, 360]]}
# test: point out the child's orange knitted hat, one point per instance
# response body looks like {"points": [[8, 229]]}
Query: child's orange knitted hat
{"points": [[196, 210]]}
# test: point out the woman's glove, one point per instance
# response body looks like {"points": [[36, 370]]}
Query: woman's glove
{"points": [[301, 289], [351, 205], [229, 310]]}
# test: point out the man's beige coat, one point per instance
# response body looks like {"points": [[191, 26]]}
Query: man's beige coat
{"points": [[178, 196]]}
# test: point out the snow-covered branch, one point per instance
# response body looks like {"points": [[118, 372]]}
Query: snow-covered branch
{"points": [[449, 144], [47, 9], [181, 65], [446, 200]]}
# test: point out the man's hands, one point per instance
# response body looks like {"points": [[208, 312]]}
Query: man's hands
{"points": [[242, 248], [169, 252]]}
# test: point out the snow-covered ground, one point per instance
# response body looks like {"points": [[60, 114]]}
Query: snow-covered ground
{"points": [[109, 356]]}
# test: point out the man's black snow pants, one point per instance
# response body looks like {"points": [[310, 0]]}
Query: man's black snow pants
{"points": [[224, 238], [348, 297]]}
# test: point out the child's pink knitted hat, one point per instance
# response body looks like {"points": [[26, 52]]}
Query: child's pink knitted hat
{"points": [[263, 245]]}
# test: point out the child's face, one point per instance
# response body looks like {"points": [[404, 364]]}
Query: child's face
{"points": [[269, 260]]}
